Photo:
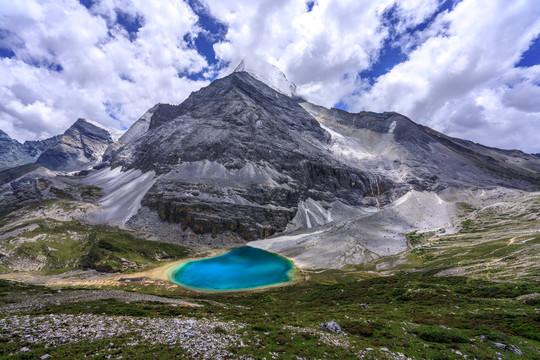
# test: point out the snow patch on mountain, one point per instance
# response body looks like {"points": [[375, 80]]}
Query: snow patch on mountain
{"points": [[268, 74]]}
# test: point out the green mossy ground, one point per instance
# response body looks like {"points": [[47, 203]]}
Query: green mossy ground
{"points": [[418, 316], [113, 347], [414, 311], [66, 245]]}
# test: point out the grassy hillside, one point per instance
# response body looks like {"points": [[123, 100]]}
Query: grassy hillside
{"points": [[500, 242], [470, 294], [53, 245]]}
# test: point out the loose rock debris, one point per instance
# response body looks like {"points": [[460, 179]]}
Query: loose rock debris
{"points": [[195, 336]]}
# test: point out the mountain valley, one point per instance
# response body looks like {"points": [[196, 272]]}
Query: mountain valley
{"points": [[438, 237]]}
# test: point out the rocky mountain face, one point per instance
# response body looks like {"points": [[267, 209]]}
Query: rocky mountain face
{"points": [[13, 153], [80, 147], [245, 158], [391, 144], [239, 156]]}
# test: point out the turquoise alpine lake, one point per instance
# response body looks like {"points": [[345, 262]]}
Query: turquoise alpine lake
{"points": [[239, 269]]}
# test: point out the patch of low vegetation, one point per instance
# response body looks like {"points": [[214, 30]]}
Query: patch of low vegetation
{"points": [[120, 251], [61, 193], [64, 204], [467, 226], [8, 287], [362, 328], [465, 207], [416, 238], [65, 245], [440, 334], [421, 317], [90, 192], [110, 348]]}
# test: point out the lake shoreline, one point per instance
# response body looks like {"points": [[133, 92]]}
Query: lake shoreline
{"points": [[293, 274]]}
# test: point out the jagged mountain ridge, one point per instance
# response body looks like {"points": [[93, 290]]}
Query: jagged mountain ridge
{"points": [[239, 156], [13, 153], [433, 161], [80, 147], [136, 130], [248, 152]]}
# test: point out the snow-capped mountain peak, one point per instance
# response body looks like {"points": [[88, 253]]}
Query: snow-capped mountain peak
{"points": [[268, 74], [115, 133]]}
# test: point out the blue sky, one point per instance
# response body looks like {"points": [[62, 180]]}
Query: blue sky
{"points": [[531, 56], [391, 52], [467, 68]]}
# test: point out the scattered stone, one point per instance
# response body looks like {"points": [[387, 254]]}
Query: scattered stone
{"points": [[509, 348], [196, 336], [67, 297], [46, 356], [529, 298], [363, 306], [515, 349], [331, 326]]}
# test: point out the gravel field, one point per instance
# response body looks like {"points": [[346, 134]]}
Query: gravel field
{"points": [[198, 337]]}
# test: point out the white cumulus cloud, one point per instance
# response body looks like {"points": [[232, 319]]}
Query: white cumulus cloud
{"points": [[457, 72], [74, 62], [459, 75]]}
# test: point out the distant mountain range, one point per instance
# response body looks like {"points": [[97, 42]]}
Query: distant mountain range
{"points": [[13, 153], [79, 147]]}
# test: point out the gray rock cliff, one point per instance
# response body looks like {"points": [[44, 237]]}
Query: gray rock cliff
{"points": [[13, 153], [80, 147], [239, 156]]}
